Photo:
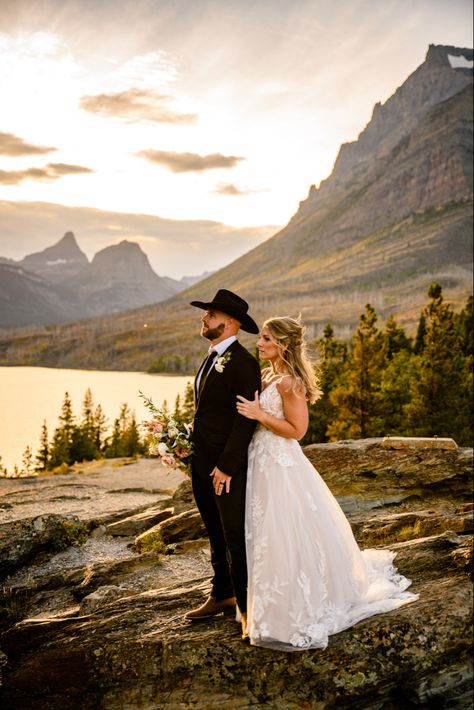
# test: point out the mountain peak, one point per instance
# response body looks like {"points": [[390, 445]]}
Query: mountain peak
{"points": [[68, 240], [58, 262], [446, 71]]}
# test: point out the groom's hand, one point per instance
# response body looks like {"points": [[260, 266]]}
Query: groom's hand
{"points": [[221, 481]]}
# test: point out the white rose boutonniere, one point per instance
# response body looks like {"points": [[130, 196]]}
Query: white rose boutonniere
{"points": [[222, 361]]}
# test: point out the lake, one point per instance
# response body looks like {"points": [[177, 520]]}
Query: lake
{"points": [[30, 395]]}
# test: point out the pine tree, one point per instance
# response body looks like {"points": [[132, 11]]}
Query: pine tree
{"points": [[65, 436], [178, 414], [332, 357], [396, 392], [28, 466], [42, 457], [395, 338], [131, 438], [114, 447], [464, 325], [358, 398], [188, 406], [441, 398], [419, 345], [100, 428]]}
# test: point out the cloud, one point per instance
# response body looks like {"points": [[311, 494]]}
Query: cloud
{"points": [[52, 171], [189, 162], [14, 146], [229, 189], [135, 105]]}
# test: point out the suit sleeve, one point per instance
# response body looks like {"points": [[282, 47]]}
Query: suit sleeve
{"points": [[233, 459]]}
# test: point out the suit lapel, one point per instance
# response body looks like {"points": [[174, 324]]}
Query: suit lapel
{"points": [[212, 374]]}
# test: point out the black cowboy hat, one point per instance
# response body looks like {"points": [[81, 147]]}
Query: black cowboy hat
{"points": [[233, 305]]}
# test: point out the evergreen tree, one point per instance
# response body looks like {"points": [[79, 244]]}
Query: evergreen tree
{"points": [[132, 444], [100, 429], [42, 457], [114, 447], [125, 440], [358, 397], [395, 338], [28, 466], [178, 414], [188, 404], [65, 436], [420, 335], [85, 442], [442, 394], [396, 391], [322, 412], [464, 325]]}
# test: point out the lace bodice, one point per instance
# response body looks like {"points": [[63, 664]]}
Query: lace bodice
{"points": [[265, 443], [271, 401]]}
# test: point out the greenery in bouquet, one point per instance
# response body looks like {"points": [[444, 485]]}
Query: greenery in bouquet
{"points": [[167, 438]]}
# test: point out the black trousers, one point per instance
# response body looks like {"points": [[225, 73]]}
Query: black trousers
{"points": [[224, 518]]}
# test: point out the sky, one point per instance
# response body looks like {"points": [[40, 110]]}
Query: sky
{"points": [[193, 127]]}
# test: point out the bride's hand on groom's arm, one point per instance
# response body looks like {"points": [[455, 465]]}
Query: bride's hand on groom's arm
{"points": [[249, 408]]}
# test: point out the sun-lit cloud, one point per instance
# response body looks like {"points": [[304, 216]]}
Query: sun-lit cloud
{"points": [[49, 173], [229, 189], [189, 162], [13, 146], [135, 105]]}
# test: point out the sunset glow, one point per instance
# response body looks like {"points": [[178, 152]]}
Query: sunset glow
{"points": [[222, 111]]}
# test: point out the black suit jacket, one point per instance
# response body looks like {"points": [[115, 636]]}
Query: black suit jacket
{"points": [[221, 435]]}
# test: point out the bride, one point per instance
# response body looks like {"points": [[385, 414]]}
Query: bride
{"points": [[307, 576]]}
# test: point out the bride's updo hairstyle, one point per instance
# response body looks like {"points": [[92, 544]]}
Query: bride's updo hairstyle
{"points": [[289, 336]]}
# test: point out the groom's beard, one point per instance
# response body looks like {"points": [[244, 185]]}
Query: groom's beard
{"points": [[213, 333]]}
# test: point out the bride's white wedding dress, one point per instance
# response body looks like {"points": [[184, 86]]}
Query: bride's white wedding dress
{"points": [[307, 577]]}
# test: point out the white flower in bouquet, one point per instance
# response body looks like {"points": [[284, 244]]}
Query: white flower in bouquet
{"points": [[167, 438], [162, 449]]}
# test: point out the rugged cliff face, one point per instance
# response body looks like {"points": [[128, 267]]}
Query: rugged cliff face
{"points": [[109, 632]]}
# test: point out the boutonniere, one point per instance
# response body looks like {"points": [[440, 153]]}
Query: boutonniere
{"points": [[222, 361]]}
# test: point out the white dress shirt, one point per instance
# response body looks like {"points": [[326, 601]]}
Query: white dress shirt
{"points": [[219, 349]]}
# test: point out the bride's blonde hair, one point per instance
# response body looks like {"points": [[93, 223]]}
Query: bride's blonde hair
{"points": [[289, 336]]}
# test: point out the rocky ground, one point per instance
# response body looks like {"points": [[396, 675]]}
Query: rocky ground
{"points": [[99, 566]]}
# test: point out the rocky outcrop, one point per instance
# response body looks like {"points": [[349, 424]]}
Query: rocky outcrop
{"points": [[112, 634]]}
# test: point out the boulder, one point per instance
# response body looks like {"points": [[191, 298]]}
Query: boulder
{"points": [[134, 524], [187, 525]]}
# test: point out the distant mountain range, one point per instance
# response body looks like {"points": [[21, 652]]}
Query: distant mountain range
{"points": [[60, 284], [394, 216]]}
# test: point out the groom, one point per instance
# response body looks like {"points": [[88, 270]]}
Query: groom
{"points": [[221, 438]]}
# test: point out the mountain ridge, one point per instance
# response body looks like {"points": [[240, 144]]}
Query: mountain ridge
{"points": [[59, 283]]}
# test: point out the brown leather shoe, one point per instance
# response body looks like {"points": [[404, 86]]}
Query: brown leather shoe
{"points": [[212, 607]]}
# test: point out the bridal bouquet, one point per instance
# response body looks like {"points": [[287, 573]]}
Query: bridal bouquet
{"points": [[167, 438]]}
